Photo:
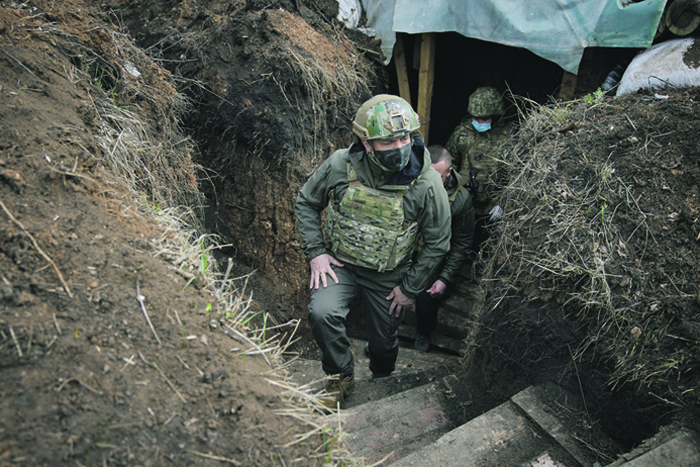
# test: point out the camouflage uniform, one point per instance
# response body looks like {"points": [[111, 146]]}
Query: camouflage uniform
{"points": [[460, 248], [481, 151], [424, 203]]}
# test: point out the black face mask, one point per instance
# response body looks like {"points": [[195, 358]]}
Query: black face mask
{"points": [[393, 160]]}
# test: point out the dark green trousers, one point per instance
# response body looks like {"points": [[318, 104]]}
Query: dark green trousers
{"points": [[328, 309]]}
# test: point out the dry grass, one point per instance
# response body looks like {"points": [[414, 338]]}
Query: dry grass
{"points": [[572, 220], [347, 86], [154, 164]]}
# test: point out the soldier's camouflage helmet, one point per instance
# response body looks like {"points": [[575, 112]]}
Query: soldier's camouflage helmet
{"points": [[485, 102], [385, 116]]}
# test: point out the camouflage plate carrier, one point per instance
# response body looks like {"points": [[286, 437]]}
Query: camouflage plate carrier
{"points": [[367, 226], [480, 152]]}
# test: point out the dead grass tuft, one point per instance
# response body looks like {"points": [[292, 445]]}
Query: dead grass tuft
{"points": [[145, 152], [559, 233]]}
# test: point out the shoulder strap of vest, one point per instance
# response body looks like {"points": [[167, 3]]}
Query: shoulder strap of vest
{"points": [[352, 175], [452, 197]]}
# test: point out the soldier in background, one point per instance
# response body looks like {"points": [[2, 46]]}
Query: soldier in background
{"points": [[462, 226], [476, 146], [380, 195]]}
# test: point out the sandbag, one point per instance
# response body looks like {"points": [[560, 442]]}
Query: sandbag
{"points": [[672, 63]]}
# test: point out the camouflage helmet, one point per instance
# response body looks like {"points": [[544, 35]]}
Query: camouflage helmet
{"points": [[485, 102], [385, 116]]}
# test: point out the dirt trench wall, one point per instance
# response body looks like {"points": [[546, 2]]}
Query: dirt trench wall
{"points": [[272, 98]]}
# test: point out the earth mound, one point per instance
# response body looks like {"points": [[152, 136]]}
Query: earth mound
{"points": [[593, 271]]}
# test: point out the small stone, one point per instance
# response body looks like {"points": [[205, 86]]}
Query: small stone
{"points": [[636, 332], [7, 293]]}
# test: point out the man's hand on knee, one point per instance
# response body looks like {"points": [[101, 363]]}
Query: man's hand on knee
{"points": [[400, 301], [321, 267]]}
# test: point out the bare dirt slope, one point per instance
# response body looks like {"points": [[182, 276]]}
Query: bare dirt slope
{"points": [[593, 273], [86, 261]]}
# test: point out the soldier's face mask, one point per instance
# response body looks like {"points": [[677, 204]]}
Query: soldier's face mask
{"points": [[395, 158], [481, 125]]}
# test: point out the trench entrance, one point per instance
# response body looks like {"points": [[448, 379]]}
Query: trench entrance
{"points": [[281, 100], [519, 345]]}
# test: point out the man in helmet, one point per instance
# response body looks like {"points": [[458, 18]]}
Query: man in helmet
{"points": [[379, 194], [462, 226], [476, 145]]}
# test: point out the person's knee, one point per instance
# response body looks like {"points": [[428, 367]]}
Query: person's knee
{"points": [[323, 314]]}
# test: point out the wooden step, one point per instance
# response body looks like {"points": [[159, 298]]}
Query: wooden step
{"points": [[369, 390], [438, 342], [550, 406], [393, 427], [502, 436], [413, 368], [536, 427]]}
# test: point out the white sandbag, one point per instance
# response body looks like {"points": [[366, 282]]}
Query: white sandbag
{"points": [[349, 12], [671, 63]]}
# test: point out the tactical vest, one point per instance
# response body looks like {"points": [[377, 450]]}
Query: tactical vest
{"points": [[367, 226]]}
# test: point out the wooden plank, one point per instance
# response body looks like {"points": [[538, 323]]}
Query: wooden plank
{"points": [[537, 403], [401, 71], [395, 426], [426, 76], [501, 436], [568, 86]]}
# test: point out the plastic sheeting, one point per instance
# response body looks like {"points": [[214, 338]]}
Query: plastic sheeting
{"points": [[557, 30], [669, 63]]}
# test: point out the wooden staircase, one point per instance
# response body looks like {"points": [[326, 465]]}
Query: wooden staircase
{"points": [[422, 415]]}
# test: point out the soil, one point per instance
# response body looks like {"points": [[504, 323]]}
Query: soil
{"points": [[84, 380], [636, 364]]}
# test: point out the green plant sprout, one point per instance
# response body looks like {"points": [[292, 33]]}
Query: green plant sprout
{"points": [[594, 97], [204, 260]]}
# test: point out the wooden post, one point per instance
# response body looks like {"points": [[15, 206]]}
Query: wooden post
{"points": [[401, 71], [425, 81], [568, 86]]}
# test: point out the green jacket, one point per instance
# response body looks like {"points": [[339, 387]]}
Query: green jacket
{"points": [[425, 203], [481, 152], [463, 226]]}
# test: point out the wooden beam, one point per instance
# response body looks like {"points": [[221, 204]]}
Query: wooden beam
{"points": [[568, 86], [401, 71], [425, 81]]}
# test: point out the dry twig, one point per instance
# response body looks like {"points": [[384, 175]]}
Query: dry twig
{"points": [[172, 386], [141, 298], [14, 339], [216, 458], [36, 245]]}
